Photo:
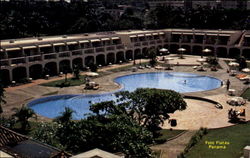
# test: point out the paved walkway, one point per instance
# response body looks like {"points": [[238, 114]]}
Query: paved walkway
{"points": [[172, 148]]}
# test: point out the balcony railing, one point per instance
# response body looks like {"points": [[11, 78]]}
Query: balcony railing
{"points": [[34, 58], [120, 47], [20, 60], [186, 40], [137, 44], [222, 42], [89, 51], [97, 50], [64, 54], [5, 62], [110, 48], [77, 52], [152, 42], [210, 42], [198, 41], [50, 56], [145, 43], [159, 41], [174, 40]]}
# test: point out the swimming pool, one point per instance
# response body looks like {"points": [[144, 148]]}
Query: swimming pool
{"points": [[52, 106]]}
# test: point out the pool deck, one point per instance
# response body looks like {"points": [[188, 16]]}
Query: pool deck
{"points": [[198, 114]]}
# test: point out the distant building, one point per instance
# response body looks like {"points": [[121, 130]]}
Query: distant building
{"points": [[174, 3], [227, 4]]}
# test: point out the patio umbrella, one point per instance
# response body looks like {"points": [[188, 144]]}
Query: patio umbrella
{"points": [[169, 58], [233, 64], [91, 74], [163, 50], [236, 101], [181, 50], [205, 51], [245, 70], [201, 60], [167, 62]]}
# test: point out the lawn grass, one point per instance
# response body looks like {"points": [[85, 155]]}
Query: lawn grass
{"points": [[75, 82], [237, 136], [72, 81], [246, 94], [167, 134]]}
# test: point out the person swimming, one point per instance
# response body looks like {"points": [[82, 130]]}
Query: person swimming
{"points": [[185, 81]]}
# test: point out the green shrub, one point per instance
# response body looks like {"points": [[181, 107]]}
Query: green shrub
{"points": [[93, 67], [212, 61], [64, 84], [194, 140], [7, 122], [160, 140]]}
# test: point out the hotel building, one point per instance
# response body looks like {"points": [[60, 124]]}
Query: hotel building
{"points": [[36, 57]]}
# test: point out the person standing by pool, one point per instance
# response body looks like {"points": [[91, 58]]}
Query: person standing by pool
{"points": [[228, 84]]}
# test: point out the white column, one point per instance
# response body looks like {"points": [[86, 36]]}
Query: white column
{"points": [[27, 71], [11, 74]]}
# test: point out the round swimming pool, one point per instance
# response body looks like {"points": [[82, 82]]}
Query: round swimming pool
{"points": [[52, 106]]}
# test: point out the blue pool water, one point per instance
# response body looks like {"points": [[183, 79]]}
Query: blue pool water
{"points": [[52, 106]]}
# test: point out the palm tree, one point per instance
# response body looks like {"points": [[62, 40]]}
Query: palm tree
{"points": [[152, 56], [23, 115], [65, 116], [76, 71]]}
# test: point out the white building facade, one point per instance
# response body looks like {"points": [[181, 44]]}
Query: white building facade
{"points": [[35, 57]]}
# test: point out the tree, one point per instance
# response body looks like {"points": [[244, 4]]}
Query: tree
{"points": [[152, 56], [93, 67], [213, 61], [118, 132], [128, 136], [23, 115], [46, 132], [242, 62], [76, 71], [65, 116], [117, 126], [65, 71], [7, 122], [110, 131], [150, 107]]}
